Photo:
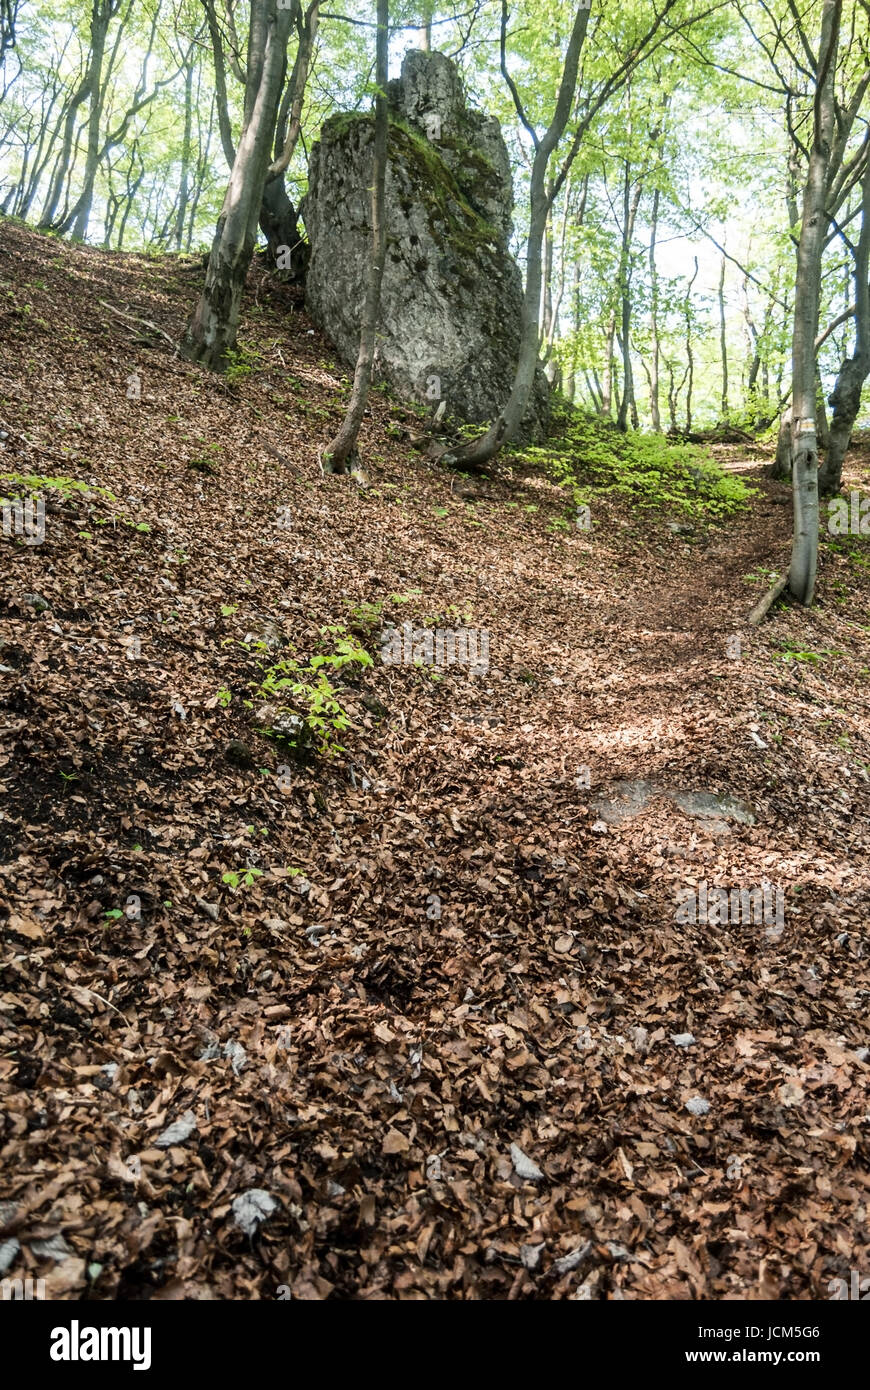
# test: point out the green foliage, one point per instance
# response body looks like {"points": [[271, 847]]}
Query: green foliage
{"points": [[367, 617], [792, 652], [36, 483], [246, 879], [591, 458], [240, 362], [306, 705], [853, 548], [760, 576], [453, 616]]}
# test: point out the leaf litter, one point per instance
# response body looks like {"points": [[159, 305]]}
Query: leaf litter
{"points": [[457, 1065]]}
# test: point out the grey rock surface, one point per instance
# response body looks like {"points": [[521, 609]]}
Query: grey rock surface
{"points": [[451, 299]]}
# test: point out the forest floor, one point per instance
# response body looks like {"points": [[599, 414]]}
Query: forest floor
{"points": [[428, 997]]}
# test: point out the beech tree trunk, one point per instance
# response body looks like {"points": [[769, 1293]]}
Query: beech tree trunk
{"points": [[690, 357], [845, 398], [607, 389], [341, 456], [102, 12], [654, 319], [211, 333], [184, 184], [723, 344], [220, 82], [672, 399], [278, 217], [814, 227], [279, 223], [505, 426], [630, 204], [781, 468]]}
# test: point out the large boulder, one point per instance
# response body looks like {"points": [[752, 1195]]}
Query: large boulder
{"points": [[451, 299]]}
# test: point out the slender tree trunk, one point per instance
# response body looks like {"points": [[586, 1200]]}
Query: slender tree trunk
{"points": [[781, 469], [133, 186], [672, 400], [630, 203], [781, 466], [845, 399], [509, 419], [211, 333], [278, 216], [202, 166], [184, 184], [220, 83], [814, 226], [61, 170], [607, 389], [47, 139], [723, 345], [752, 376], [754, 357], [572, 387], [654, 318], [690, 358], [102, 16], [546, 318], [505, 426], [341, 455]]}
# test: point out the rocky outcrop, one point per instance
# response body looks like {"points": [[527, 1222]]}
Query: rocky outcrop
{"points": [[452, 294]]}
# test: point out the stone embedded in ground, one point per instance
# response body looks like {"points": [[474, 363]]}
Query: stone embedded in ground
{"points": [[630, 798], [37, 603], [451, 299], [705, 805]]}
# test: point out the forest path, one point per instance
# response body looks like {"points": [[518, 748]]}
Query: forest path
{"points": [[669, 690]]}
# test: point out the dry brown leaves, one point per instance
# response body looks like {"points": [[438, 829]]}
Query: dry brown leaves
{"points": [[434, 1036]]}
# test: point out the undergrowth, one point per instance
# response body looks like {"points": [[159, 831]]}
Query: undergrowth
{"points": [[304, 706], [592, 459]]}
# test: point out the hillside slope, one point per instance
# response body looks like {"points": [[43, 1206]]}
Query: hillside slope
{"points": [[354, 982]]}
